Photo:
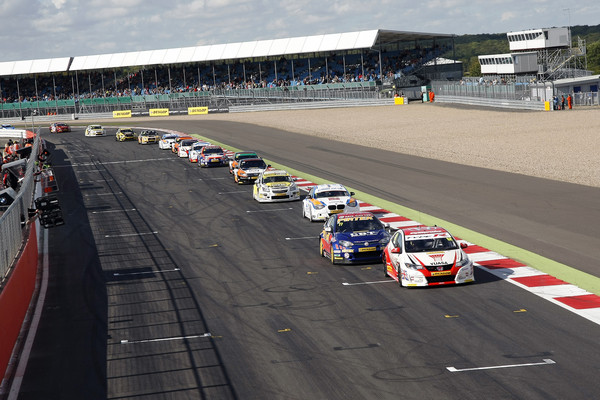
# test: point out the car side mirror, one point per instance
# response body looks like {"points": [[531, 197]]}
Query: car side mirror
{"points": [[463, 245], [352, 193], [396, 250], [327, 229]]}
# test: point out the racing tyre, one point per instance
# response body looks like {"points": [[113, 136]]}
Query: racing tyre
{"points": [[385, 274], [331, 256], [321, 248]]}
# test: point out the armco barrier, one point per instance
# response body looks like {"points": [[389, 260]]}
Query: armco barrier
{"points": [[16, 296], [489, 102]]}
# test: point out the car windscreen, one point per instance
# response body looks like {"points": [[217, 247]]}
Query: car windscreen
{"points": [[432, 244], [253, 164], [188, 142], [331, 193], [243, 156], [277, 178], [214, 150], [358, 224]]}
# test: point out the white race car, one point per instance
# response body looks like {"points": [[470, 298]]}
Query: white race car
{"points": [[194, 154], [166, 141], [327, 199], [427, 256], [94, 130], [184, 147], [275, 185]]}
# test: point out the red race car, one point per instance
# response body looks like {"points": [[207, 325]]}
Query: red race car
{"points": [[58, 127]]}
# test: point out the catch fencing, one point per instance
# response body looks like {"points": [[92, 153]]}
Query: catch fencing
{"points": [[13, 219]]}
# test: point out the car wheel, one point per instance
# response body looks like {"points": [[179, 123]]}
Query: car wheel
{"points": [[310, 216], [321, 248], [384, 260], [331, 256]]}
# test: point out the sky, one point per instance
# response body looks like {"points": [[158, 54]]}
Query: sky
{"points": [[38, 29]]}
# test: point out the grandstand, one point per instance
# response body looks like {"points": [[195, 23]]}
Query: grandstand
{"points": [[215, 75]]}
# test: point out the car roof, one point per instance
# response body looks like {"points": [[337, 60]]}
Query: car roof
{"points": [[244, 153], [212, 146], [329, 186], [425, 232], [275, 172], [355, 214], [246, 160]]}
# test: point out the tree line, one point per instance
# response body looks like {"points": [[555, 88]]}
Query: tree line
{"points": [[468, 47]]}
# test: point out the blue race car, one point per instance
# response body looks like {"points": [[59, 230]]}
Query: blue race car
{"points": [[353, 237]]}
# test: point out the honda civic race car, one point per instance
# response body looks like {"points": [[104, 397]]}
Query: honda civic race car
{"points": [[124, 134], [194, 153], [184, 147], [353, 237], [147, 137], [94, 130], [275, 185], [325, 200], [248, 170], [240, 155], [212, 156], [58, 127], [427, 256], [167, 140], [175, 144]]}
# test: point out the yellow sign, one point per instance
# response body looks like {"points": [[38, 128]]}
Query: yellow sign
{"points": [[197, 110], [122, 114], [441, 273], [159, 112], [398, 100]]}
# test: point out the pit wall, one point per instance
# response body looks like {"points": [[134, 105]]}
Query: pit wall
{"points": [[15, 298]]}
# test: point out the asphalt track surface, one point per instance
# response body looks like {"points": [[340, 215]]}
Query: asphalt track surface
{"points": [[169, 281]]}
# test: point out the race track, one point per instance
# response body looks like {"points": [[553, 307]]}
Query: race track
{"points": [[169, 281]]}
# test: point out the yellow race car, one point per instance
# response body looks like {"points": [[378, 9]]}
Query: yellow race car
{"points": [[147, 137], [124, 134]]}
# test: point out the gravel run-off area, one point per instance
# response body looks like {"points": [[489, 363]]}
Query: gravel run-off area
{"points": [[558, 145]]}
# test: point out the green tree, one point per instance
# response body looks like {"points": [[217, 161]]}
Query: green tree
{"points": [[593, 57], [474, 68]]}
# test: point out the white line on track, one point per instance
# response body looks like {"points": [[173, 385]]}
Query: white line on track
{"points": [[120, 162], [301, 238], [367, 283], [546, 361], [113, 211], [237, 191], [146, 272], [102, 194], [207, 334], [210, 179], [274, 209], [131, 234]]}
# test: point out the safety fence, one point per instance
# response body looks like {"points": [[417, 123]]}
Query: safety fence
{"points": [[13, 218], [183, 100]]}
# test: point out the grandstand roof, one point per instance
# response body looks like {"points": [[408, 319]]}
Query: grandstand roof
{"points": [[371, 39]]}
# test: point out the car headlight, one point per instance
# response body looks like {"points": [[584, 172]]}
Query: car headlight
{"points": [[465, 261], [319, 205], [345, 243], [413, 266], [242, 173], [352, 202]]}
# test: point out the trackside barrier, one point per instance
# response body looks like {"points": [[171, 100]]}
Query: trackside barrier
{"points": [[488, 102], [11, 229], [312, 105], [16, 296]]}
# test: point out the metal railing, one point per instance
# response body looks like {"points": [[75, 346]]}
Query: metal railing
{"points": [[11, 221]]}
